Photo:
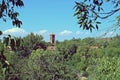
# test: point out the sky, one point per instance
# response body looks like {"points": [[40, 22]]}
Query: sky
{"points": [[53, 16]]}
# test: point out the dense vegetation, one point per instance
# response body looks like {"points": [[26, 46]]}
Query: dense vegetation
{"points": [[90, 58]]}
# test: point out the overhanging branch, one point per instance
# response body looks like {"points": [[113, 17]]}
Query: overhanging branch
{"points": [[107, 14]]}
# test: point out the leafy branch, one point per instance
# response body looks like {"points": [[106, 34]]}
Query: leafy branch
{"points": [[89, 12], [7, 9]]}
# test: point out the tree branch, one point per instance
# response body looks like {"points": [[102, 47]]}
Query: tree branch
{"points": [[109, 13]]}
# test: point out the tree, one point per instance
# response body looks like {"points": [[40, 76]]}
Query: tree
{"points": [[31, 40], [89, 12], [7, 9], [67, 48]]}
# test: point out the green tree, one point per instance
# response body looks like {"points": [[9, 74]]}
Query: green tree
{"points": [[67, 48], [89, 40], [31, 40], [46, 65], [115, 42], [7, 10], [106, 69]]}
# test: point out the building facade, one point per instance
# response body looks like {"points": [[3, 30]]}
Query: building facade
{"points": [[52, 38]]}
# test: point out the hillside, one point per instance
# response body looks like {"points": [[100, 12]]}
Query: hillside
{"points": [[75, 59]]}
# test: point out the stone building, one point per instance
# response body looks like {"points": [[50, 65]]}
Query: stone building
{"points": [[52, 42], [52, 38]]}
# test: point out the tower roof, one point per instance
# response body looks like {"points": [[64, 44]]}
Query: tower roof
{"points": [[52, 33]]}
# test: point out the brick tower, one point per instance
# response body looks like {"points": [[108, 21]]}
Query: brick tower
{"points": [[52, 38]]}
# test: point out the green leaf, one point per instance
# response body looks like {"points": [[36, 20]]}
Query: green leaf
{"points": [[102, 9], [80, 26], [96, 26], [91, 26], [90, 21], [116, 5], [99, 9], [3, 69], [98, 22], [7, 62], [90, 29], [1, 33], [77, 3], [83, 27], [95, 18]]}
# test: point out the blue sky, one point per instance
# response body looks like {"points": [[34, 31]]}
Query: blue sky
{"points": [[47, 16]]}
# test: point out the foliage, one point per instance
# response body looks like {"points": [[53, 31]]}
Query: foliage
{"points": [[118, 20], [67, 48], [31, 40], [7, 9], [107, 68], [51, 66], [0, 32], [72, 60], [89, 12]]}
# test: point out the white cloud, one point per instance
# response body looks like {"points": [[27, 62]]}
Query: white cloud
{"points": [[66, 32], [15, 32], [42, 32]]}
